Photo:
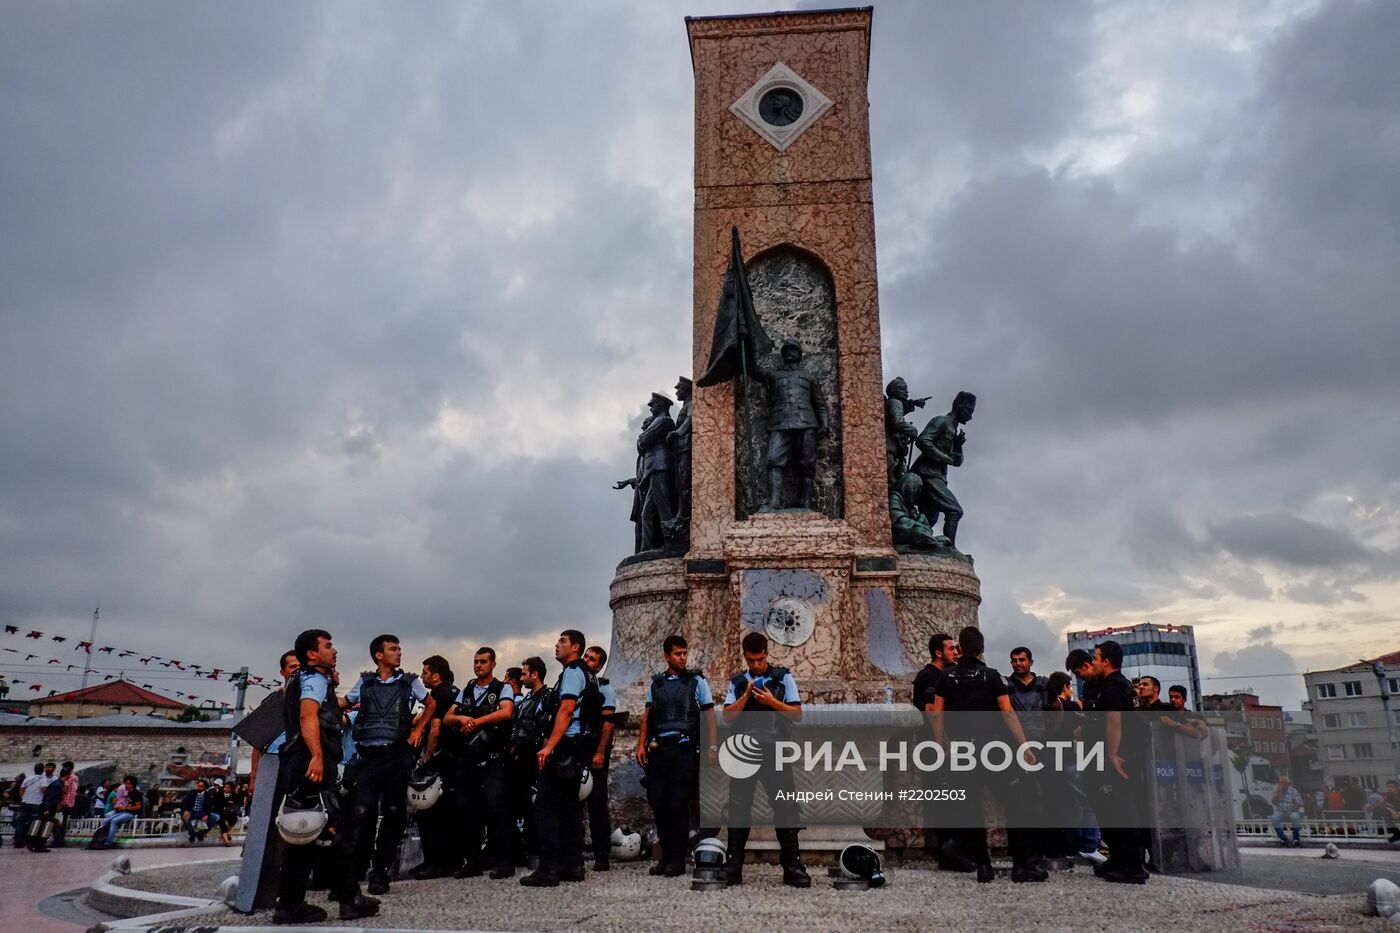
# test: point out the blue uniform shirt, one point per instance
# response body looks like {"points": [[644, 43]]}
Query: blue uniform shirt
{"points": [[571, 688], [609, 697]]}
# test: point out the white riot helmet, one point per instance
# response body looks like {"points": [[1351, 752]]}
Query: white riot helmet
{"points": [[585, 784], [301, 820], [424, 788], [709, 852], [861, 863], [626, 847]]}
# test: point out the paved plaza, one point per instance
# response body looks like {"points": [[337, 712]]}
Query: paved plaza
{"points": [[1273, 891]]}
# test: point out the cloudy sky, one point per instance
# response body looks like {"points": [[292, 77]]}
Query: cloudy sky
{"points": [[344, 314]]}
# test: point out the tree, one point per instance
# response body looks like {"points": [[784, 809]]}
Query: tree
{"points": [[191, 714]]}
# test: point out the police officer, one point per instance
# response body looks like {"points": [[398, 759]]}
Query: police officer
{"points": [[483, 714], [572, 740], [310, 755], [676, 724], [1121, 805], [769, 695], [943, 654], [530, 728], [972, 686], [384, 734], [441, 851], [599, 820]]}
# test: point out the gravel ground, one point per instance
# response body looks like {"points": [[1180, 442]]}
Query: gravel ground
{"points": [[192, 879], [627, 900]]}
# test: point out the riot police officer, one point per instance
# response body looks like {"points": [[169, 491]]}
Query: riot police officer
{"points": [[441, 851], [530, 727], [574, 735], [384, 731], [769, 695], [599, 820], [668, 748], [483, 713], [310, 756]]}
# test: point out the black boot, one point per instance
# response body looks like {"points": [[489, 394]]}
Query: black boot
{"points": [[794, 872], [734, 864], [775, 490], [950, 530]]}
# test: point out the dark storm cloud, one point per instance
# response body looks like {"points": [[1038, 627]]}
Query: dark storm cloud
{"points": [[343, 314]]}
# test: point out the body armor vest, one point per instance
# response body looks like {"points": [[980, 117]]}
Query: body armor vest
{"points": [[385, 710], [759, 721], [590, 700], [328, 719], [489, 739], [532, 721], [673, 706]]}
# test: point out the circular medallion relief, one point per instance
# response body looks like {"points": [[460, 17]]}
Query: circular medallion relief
{"points": [[780, 106], [789, 621]]}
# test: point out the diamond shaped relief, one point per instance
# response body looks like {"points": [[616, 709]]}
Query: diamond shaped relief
{"points": [[781, 106]]}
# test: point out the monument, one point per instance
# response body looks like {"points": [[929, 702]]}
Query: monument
{"points": [[785, 524]]}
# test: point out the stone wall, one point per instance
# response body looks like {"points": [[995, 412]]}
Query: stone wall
{"points": [[140, 751]]}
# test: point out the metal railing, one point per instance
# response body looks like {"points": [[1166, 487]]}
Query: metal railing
{"points": [[140, 828], [1335, 827]]}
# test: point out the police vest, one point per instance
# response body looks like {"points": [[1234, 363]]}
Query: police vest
{"points": [[759, 721], [488, 739], [328, 718], [385, 710], [532, 721], [590, 700], [673, 705]]}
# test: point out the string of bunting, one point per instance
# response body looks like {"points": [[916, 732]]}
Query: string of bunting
{"points": [[194, 670]]}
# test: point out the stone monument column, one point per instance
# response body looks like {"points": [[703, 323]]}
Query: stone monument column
{"points": [[782, 153]]}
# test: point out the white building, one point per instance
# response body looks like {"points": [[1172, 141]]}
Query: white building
{"points": [[1167, 652], [1357, 720]]}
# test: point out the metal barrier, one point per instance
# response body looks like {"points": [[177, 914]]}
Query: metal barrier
{"points": [[140, 828], [1333, 828]]}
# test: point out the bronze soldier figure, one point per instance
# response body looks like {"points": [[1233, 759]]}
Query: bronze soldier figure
{"points": [[679, 440], [653, 503], [940, 446], [797, 420], [899, 434]]}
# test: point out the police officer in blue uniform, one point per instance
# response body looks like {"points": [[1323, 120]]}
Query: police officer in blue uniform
{"points": [[531, 725], [577, 722], [676, 725], [384, 733], [310, 756], [483, 715], [769, 695]]}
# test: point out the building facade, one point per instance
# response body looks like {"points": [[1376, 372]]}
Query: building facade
{"points": [[1357, 720], [114, 698], [1261, 727], [1167, 652]]}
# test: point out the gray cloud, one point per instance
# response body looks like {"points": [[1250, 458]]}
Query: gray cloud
{"points": [[332, 315]]}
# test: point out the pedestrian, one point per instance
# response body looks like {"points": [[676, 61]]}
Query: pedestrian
{"points": [[123, 806], [307, 769], [385, 734], [32, 800], [679, 721], [50, 810], [197, 813], [69, 807], [769, 695], [1288, 808]]}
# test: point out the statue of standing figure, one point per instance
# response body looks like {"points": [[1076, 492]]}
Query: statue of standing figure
{"points": [[899, 433], [654, 497], [940, 446], [679, 440], [797, 419]]}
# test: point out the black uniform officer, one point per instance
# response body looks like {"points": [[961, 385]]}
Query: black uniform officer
{"points": [[599, 819], [378, 775], [971, 686], [675, 726], [441, 848], [483, 714], [310, 756], [1121, 803], [943, 654], [558, 813], [769, 695], [530, 727]]}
